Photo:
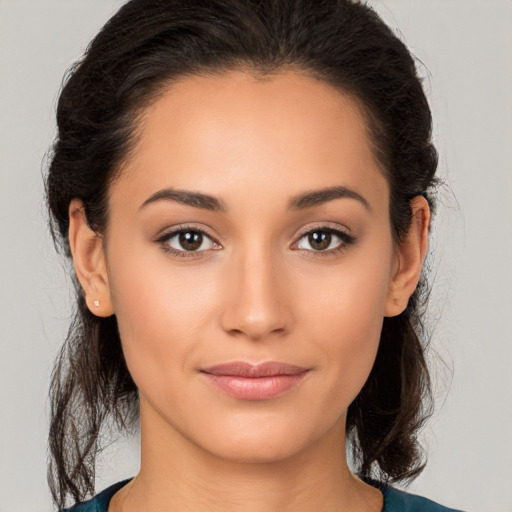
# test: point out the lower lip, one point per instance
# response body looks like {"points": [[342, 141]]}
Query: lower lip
{"points": [[255, 388]]}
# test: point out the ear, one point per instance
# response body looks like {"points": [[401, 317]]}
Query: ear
{"points": [[89, 260], [410, 255]]}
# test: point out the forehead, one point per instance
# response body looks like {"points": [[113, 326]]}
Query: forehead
{"points": [[208, 131]]}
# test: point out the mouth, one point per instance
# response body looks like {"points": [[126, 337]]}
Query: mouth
{"points": [[248, 381]]}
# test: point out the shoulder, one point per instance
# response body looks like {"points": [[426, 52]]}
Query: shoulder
{"points": [[401, 501], [100, 502]]}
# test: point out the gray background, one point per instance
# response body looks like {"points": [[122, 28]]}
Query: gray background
{"points": [[467, 47]]}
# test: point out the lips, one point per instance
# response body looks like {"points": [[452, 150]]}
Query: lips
{"points": [[247, 381]]}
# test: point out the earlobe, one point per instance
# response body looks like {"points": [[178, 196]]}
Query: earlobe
{"points": [[89, 261], [410, 256]]}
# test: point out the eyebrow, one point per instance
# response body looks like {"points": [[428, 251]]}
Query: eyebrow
{"points": [[194, 199], [300, 202], [318, 197]]}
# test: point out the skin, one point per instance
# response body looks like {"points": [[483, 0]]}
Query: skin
{"points": [[256, 290]]}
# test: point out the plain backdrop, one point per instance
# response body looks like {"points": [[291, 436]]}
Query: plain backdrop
{"points": [[464, 51]]}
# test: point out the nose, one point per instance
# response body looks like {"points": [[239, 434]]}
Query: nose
{"points": [[255, 293]]}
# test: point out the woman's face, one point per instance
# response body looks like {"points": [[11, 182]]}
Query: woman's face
{"points": [[249, 258]]}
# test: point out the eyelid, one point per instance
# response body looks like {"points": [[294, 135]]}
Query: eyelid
{"points": [[163, 237], [324, 226], [341, 232]]}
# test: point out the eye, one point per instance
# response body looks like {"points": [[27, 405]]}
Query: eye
{"points": [[324, 240], [187, 240]]}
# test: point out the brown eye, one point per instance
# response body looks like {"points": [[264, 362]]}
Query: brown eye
{"points": [[190, 240], [187, 241], [319, 240], [324, 240]]}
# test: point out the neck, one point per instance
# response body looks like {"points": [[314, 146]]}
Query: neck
{"points": [[177, 475]]}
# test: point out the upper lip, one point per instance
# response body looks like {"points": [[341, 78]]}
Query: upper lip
{"points": [[254, 370]]}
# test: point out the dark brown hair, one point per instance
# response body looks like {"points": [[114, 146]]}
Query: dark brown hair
{"points": [[145, 47]]}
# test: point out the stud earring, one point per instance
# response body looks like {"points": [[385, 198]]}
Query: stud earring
{"points": [[96, 303], [396, 302]]}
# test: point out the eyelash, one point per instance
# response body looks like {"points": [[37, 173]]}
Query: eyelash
{"points": [[345, 238], [164, 239]]}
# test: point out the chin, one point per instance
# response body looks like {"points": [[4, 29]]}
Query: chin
{"points": [[261, 442]]}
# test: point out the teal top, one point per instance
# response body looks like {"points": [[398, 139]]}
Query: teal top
{"points": [[394, 501]]}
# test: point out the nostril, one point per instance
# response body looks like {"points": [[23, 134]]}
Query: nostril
{"points": [[257, 333]]}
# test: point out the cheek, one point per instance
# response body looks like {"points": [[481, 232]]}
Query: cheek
{"points": [[348, 342], [159, 314], [345, 316], [349, 301]]}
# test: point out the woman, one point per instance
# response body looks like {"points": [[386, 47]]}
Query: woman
{"points": [[244, 188]]}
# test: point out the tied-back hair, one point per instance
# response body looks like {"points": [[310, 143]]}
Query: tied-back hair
{"points": [[143, 49]]}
